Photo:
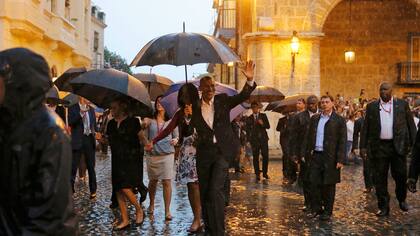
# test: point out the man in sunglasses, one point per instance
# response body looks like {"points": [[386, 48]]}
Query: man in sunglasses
{"points": [[35, 154]]}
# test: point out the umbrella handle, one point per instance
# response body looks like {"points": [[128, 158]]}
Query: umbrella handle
{"points": [[186, 75]]}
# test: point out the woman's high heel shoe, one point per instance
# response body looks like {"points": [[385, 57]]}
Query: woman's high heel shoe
{"points": [[142, 221], [199, 229], [116, 228]]}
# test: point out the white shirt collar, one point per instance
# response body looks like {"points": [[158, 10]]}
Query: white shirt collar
{"points": [[211, 102], [326, 116], [389, 102]]}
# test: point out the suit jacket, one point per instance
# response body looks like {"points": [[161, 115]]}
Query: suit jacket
{"points": [[298, 131], [404, 130], [257, 133], [414, 169], [335, 138], [284, 137], [358, 126], [222, 128], [76, 125]]}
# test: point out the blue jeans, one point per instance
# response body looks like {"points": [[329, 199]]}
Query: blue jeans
{"points": [[349, 145]]}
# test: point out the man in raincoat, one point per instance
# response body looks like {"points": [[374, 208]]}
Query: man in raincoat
{"points": [[35, 153]]}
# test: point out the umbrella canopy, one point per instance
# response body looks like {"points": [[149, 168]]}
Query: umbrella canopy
{"points": [[184, 49], [71, 98], [103, 86], [286, 105], [156, 85], [53, 97], [170, 102], [266, 94], [62, 82]]}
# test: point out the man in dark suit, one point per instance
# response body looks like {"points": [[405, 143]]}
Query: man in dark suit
{"points": [[284, 140], [82, 122], [256, 125], [299, 133], [326, 148], [367, 165], [414, 170], [388, 131], [215, 142]]}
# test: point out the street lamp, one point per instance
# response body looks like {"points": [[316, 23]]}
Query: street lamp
{"points": [[294, 43], [231, 64], [349, 56]]}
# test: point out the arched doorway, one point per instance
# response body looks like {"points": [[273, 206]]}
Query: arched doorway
{"points": [[381, 33]]}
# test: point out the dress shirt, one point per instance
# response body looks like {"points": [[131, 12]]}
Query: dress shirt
{"points": [[319, 143], [350, 130], [387, 119], [207, 111], [84, 113], [311, 113]]}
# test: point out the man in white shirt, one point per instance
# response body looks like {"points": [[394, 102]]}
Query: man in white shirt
{"points": [[388, 132], [215, 145]]}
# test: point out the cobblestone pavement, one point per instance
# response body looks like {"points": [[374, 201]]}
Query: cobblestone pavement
{"points": [[256, 208]]}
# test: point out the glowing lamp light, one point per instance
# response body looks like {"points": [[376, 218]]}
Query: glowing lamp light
{"points": [[349, 56], [231, 64], [295, 43]]}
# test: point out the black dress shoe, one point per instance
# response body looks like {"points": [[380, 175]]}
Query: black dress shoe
{"points": [[325, 217], [258, 177], [404, 206], [382, 212], [266, 176]]}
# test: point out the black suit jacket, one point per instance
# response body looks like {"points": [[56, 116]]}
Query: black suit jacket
{"points": [[76, 125], [257, 133], [222, 128], [358, 126], [298, 131], [335, 138], [404, 130], [414, 170]]}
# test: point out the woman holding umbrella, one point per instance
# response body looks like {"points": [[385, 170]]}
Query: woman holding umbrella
{"points": [[186, 169], [123, 133]]}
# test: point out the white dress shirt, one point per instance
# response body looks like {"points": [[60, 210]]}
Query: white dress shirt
{"points": [[387, 119], [350, 130], [84, 113], [207, 111]]}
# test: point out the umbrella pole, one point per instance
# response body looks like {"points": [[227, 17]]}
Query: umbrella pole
{"points": [[186, 75]]}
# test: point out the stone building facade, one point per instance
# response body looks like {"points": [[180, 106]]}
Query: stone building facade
{"points": [[60, 30], [385, 36]]}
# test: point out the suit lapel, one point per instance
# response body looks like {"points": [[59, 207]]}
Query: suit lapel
{"points": [[200, 116], [378, 113]]}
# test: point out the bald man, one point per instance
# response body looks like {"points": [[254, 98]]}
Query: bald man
{"points": [[389, 132]]}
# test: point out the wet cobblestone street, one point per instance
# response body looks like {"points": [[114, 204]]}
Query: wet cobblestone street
{"points": [[263, 208]]}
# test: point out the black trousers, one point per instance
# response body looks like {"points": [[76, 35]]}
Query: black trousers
{"points": [[212, 169], [305, 183], [88, 150], [291, 169], [368, 171], [257, 148], [384, 157], [322, 195]]}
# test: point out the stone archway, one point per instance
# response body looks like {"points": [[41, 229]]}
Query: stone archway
{"points": [[319, 10], [380, 35]]}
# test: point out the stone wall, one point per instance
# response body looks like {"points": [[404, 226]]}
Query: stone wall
{"points": [[379, 39]]}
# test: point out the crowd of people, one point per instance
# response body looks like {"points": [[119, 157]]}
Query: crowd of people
{"points": [[40, 156]]}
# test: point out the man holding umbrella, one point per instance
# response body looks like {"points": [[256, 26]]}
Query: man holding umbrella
{"points": [[215, 137]]}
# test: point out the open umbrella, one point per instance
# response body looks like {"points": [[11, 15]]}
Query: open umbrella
{"points": [[184, 49], [286, 105], [265, 94], [170, 102], [53, 97], [62, 82], [102, 86], [156, 85]]}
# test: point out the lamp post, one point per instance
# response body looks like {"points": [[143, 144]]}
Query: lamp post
{"points": [[294, 44], [350, 55]]}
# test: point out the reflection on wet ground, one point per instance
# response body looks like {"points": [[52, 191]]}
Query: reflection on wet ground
{"points": [[256, 208]]}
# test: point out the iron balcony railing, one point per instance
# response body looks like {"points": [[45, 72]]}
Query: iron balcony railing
{"points": [[408, 72]]}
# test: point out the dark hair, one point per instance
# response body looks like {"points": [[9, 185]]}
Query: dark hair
{"points": [[166, 116], [255, 104], [124, 104], [302, 100], [188, 94], [327, 96], [312, 97]]}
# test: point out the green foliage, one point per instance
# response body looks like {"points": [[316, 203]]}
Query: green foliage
{"points": [[116, 61]]}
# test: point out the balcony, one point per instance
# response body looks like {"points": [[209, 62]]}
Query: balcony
{"points": [[226, 20], [409, 73]]}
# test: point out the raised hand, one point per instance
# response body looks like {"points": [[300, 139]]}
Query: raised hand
{"points": [[248, 70]]}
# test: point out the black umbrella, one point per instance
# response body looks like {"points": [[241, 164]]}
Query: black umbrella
{"points": [[53, 97], [103, 86], [266, 94], [286, 105], [156, 85], [62, 82], [184, 49]]}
